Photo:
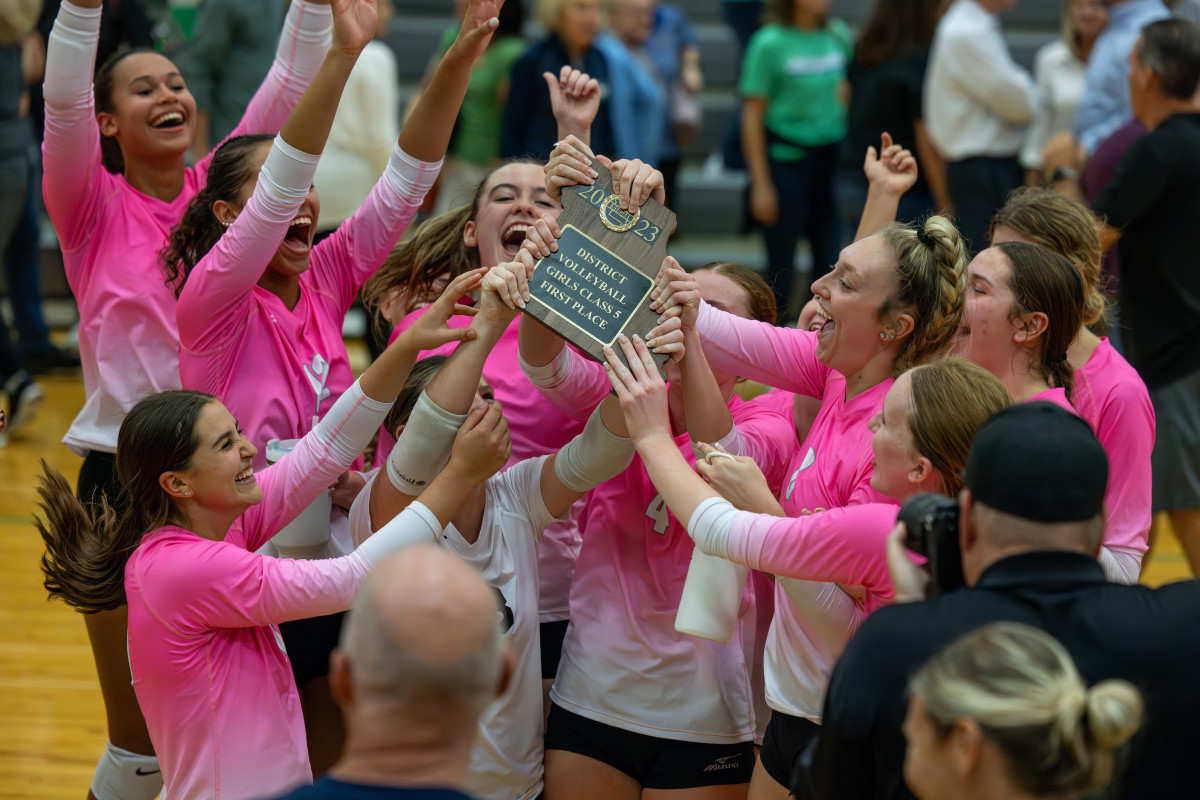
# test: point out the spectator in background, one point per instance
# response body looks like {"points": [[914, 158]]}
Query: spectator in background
{"points": [[676, 51], [793, 90], [631, 22], [16, 20], [364, 131], [1059, 72], [230, 52], [1150, 207], [420, 660], [475, 148], [977, 104], [528, 126], [887, 78], [1104, 106]]}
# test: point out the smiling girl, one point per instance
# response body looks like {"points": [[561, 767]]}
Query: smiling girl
{"points": [[115, 183], [1024, 307], [208, 666], [893, 301]]}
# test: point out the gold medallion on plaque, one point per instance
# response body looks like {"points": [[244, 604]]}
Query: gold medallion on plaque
{"points": [[614, 217]]}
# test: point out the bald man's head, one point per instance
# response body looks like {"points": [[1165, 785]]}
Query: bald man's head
{"points": [[423, 633]]}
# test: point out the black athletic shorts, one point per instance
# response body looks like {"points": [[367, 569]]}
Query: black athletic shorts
{"points": [[653, 762], [553, 634], [97, 479], [786, 736], [309, 643]]}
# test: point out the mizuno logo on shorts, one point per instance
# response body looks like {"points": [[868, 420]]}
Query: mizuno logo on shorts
{"points": [[723, 763]]}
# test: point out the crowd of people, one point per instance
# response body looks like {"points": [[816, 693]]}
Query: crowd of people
{"points": [[493, 567]]}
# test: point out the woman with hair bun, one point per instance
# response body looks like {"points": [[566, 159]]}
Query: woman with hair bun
{"points": [[1023, 309], [1004, 713], [1108, 392], [893, 301]]}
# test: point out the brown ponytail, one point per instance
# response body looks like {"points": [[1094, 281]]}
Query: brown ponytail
{"points": [[84, 563], [200, 229]]}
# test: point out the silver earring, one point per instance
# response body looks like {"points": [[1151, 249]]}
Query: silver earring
{"points": [[226, 223]]}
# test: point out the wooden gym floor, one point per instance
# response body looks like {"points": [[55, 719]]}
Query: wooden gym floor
{"points": [[51, 716]]}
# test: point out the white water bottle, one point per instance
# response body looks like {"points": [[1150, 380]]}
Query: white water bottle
{"points": [[712, 597], [306, 536]]}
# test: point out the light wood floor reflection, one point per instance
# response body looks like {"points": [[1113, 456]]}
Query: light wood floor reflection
{"points": [[51, 716]]}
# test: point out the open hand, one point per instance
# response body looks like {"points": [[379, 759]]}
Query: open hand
{"points": [[893, 169], [479, 23], [574, 99], [354, 23], [640, 390], [429, 331]]}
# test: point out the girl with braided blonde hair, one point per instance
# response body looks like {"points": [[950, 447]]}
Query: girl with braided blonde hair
{"points": [[893, 301], [1004, 713]]}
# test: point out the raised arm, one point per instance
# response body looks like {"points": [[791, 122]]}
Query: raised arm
{"points": [[73, 177], [424, 444], [214, 299], [344, 432], [890, 173], [784, 358], [303, 44], [360, 245]]}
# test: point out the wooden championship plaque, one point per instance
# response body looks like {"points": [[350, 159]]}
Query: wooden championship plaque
{"points": [[598, 284]]}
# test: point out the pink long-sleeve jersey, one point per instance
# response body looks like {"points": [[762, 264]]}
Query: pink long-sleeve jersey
{"points": [[209, 666], [538, 429], [276, 368], [623, 662], [1111, 396], [111, 233], [843, 545], [831, 469]]}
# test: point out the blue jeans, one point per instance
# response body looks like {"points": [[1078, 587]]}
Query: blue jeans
{"points": [[806, 209]]}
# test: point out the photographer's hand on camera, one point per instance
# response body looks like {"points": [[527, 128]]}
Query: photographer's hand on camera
{"points": [[908, 580]]}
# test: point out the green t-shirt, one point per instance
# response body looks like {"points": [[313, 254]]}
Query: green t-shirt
{"points": [[800, 72], [477, 131]]}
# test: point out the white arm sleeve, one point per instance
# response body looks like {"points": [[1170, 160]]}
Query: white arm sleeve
{"points": [[551, 374], [72, 56], [307, 33], [414, 525], [287, 176], [424, 446], [593, 457], [1121, 564], [709, 526], [349, 425], [409, 176]]}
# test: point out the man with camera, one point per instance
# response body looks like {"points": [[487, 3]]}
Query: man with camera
{"points": [[1031, 522]]}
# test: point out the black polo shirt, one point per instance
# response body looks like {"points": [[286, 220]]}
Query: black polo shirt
{"points": [[1150, 637], [1154, 199]]}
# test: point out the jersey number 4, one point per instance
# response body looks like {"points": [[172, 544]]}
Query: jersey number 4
{"points": [[657, 513]]}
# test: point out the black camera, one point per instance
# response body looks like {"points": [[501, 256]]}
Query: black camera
{"points": [[931, 524]]}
